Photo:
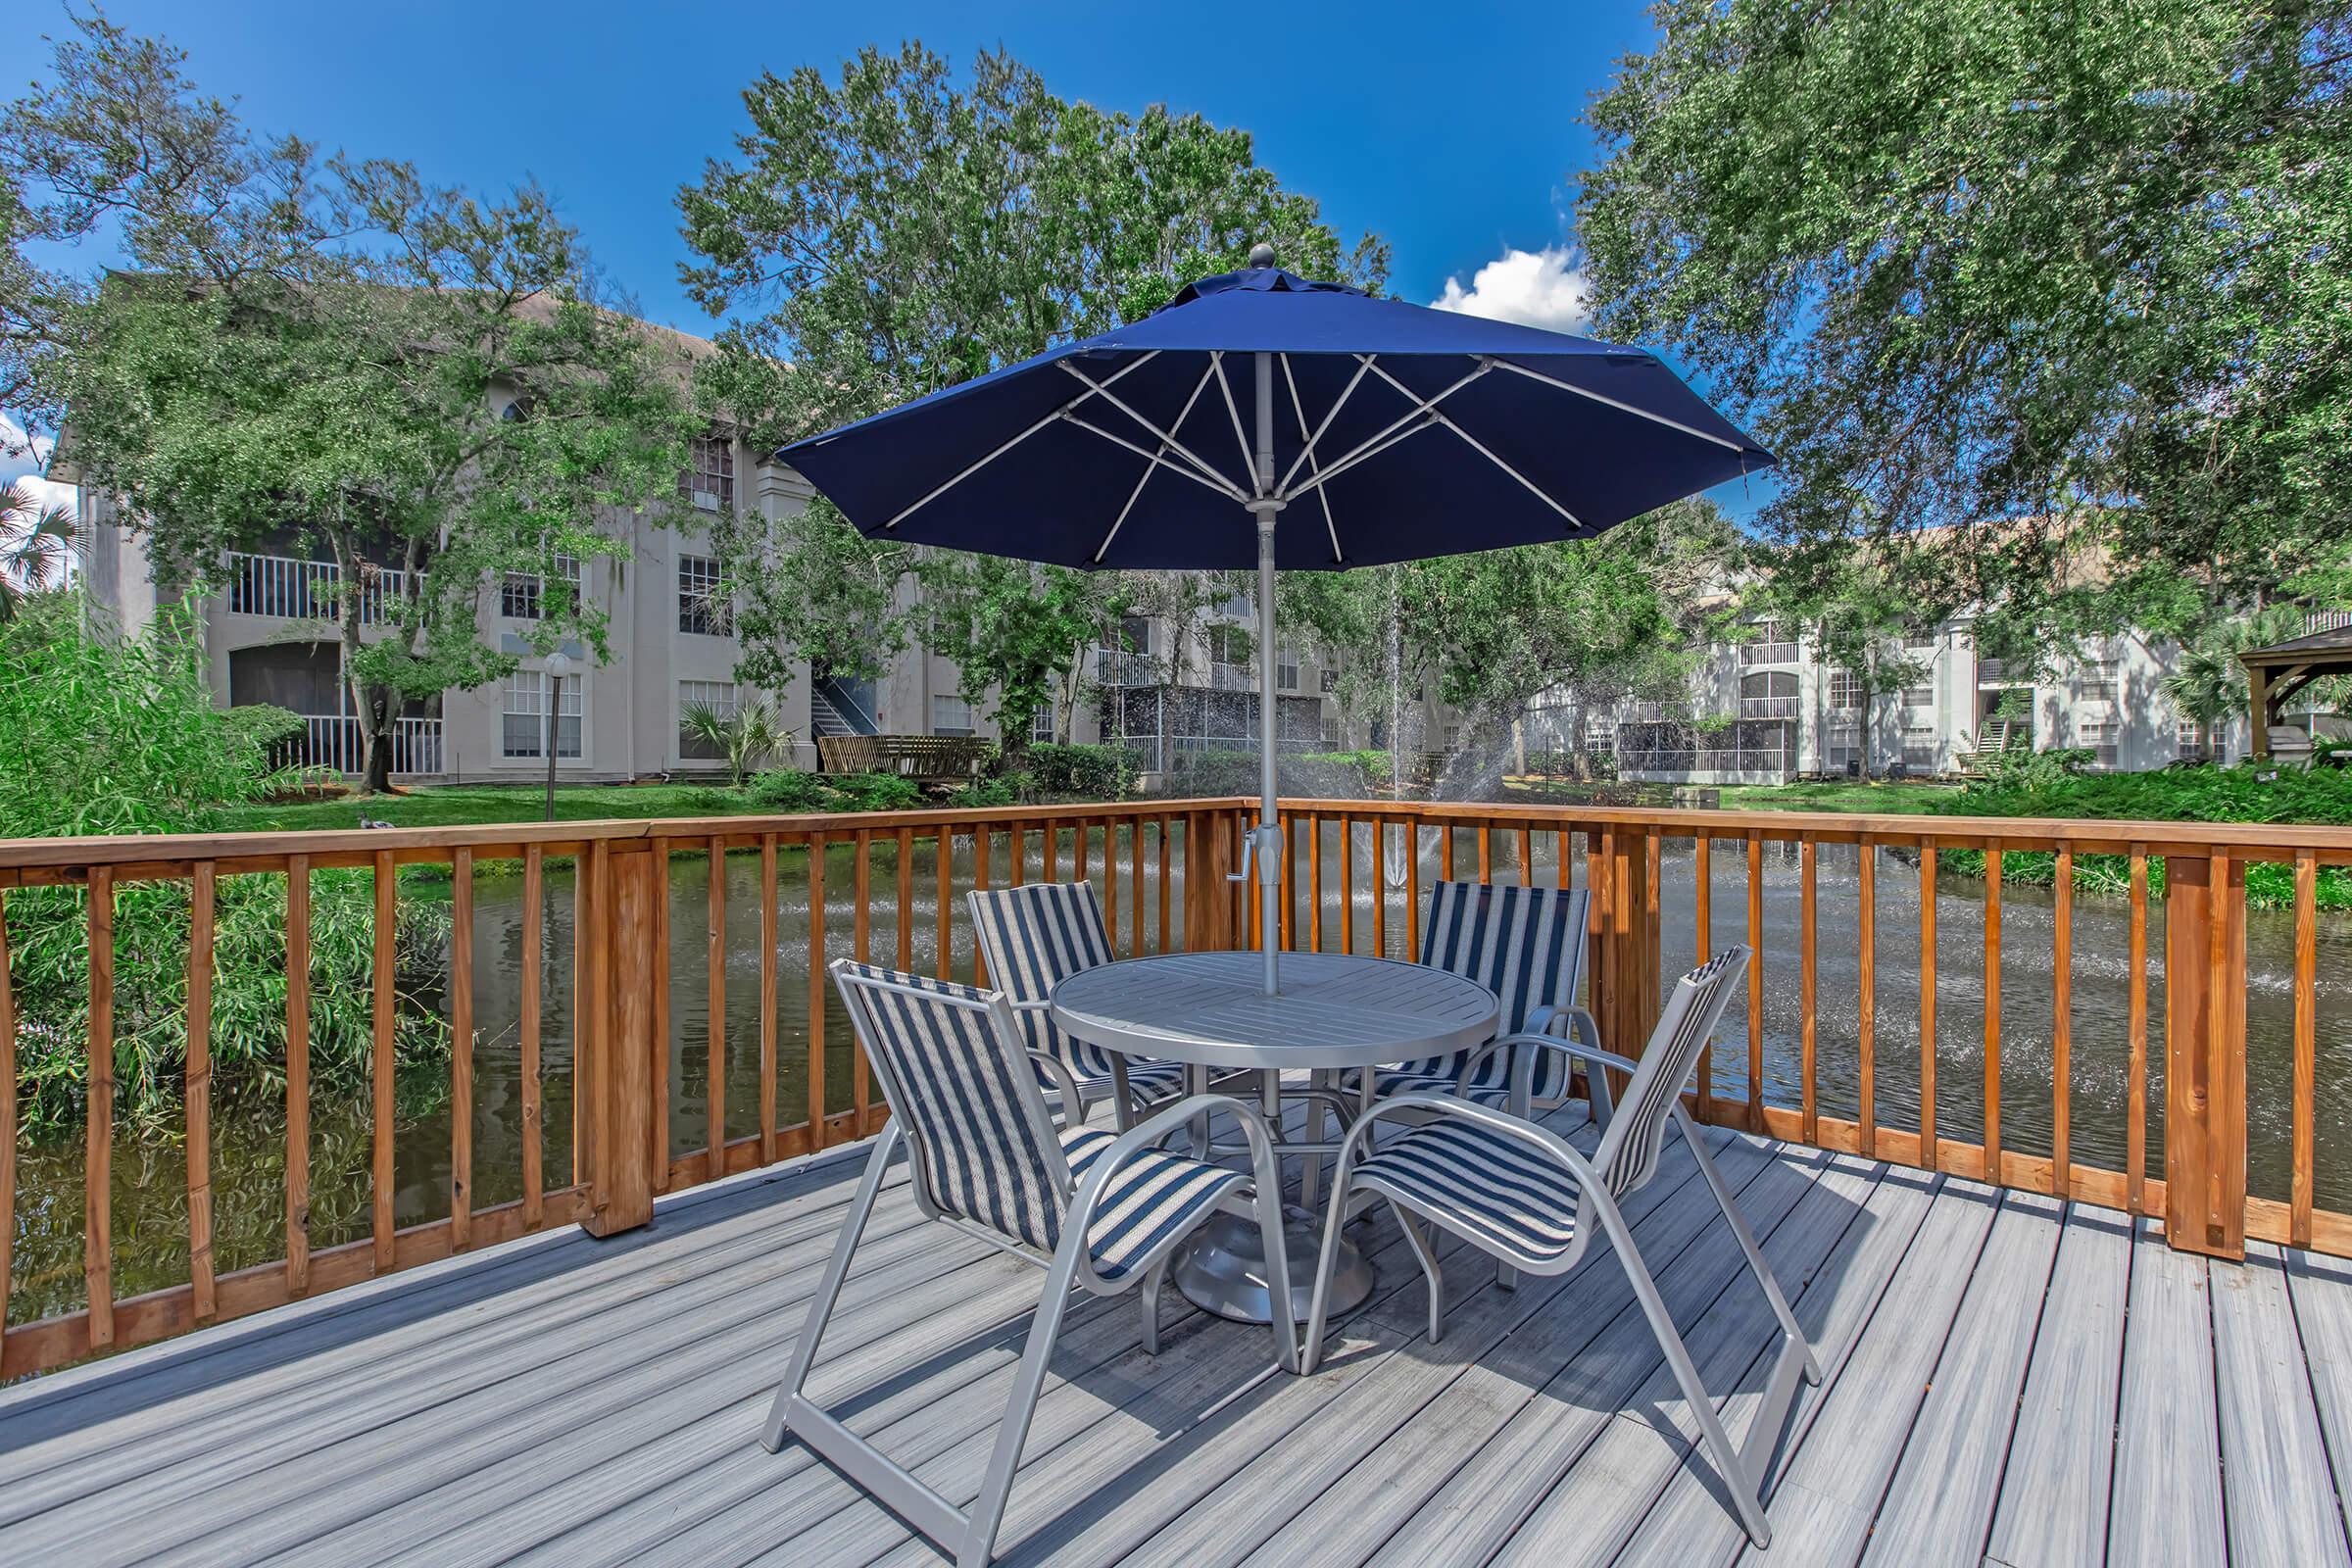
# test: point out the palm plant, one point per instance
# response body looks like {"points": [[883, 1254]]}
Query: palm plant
{"points": [[33, 541], [746, 738], [2207, 685]]}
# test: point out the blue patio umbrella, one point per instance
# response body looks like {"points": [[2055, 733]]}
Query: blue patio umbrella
{"points": [[1260, 418]]}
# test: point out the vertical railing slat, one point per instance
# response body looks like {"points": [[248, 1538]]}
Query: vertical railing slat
{"points": [[1166, 827], [1808, 924], [202, 1301], [980, 858], [818, 979], [946, 878], [1755, 981], [1701, 913], [715, 1089], [1314, 891], [1380, 887], [2062, 980], [387, 915], [98, 1210], [906, 899], [534, 1177], [1135, 886], [768, 997], [461, 1058], [862, 1087], [1486, 856], [1347, 883], [1992, 1016], [1413, 887], [2306, 1041], [658, 1125], [1927, 1147], [1866, 1018], [298, 1075], [2135, 1074]]}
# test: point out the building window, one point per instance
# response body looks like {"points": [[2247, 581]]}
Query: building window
{"points": [[1286, 669], [1920, 639], [521, 594], [2098, 680], [1768, 693], [1919, 748], [2102, 738], [1453, 736], [525, 726], [704, 605], [709, 482], [1041, 725], [951, 715], [1919, 697], [1330, 680], [720, 698], [1846, 691], [1229, 644], [1769, 646]]}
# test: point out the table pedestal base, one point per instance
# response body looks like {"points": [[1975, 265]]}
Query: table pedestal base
{"points": [[1222, 1269]]}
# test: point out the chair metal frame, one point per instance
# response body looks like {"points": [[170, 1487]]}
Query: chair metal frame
{"points": [[970, 1534], [1744, 1469]]}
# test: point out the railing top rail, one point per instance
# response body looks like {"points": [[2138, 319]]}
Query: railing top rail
{"points": [[156, 854]]}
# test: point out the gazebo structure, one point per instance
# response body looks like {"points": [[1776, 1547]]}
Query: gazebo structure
{"points": [[2275, 674]]}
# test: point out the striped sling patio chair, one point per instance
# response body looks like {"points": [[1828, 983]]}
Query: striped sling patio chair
{"points": [[1099, 1211], [1524, 1196], [1036, 936]]}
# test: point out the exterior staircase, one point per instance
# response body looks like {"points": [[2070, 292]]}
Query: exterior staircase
{"points": [[834, 710]]}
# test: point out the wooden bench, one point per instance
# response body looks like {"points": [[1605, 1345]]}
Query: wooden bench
{"points": [[923, 758]]}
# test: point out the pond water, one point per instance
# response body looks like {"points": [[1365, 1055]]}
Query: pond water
{"points": [[150, 1176]]}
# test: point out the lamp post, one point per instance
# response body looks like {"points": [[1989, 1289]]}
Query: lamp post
{"points": [[558, 665]]}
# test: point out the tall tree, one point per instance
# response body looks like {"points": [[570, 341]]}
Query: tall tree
{"points": [[898, 231], [421, 385], [2077, 270]]}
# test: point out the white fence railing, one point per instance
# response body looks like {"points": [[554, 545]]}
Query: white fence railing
{"points": [[306, 590], [335, 742]]}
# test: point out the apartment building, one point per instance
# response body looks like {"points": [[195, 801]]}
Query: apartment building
{"points": [[1768, 707]]}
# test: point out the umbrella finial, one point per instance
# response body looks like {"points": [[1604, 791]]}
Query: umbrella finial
{"points": [[1261, 254]]}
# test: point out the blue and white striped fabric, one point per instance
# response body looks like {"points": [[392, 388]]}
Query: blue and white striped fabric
{"points": [[1527, 946], [1154, 1198], [1628, 1152], [966, 1100], [1033, 938], [1484, 1183]]}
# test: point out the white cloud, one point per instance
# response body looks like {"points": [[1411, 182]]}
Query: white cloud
{"points": [[21, 454], [1535, 288], [46, 493]]}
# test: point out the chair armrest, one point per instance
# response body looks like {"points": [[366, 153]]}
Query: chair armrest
{"points": [[1035, 1004], [1542, 1139], [1066, 1084], [1146, 1134]]}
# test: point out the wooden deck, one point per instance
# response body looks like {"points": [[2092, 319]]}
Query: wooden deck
{"points": [[2007, 1382]]}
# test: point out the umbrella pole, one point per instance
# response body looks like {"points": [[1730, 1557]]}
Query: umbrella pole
{"points": [[1269, 830]]}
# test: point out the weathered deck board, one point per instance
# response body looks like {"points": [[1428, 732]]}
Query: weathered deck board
{"points": [[1986, 1395], [2281, 1497], [2167, 1503]]}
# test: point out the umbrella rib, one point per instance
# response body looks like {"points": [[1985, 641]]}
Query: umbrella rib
{"points": [[1144, 479], [1422, 408], [1058, 414], [1533, 488], [1627, 408], [1216, 363], [1210, 480], [1207, 467], [1365, 453], [1330, 524], [1363, 363]]}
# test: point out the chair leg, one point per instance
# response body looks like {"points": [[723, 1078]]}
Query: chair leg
{"points": [[1154, 1277], [1310, 1166], [986, 1513], [828, 1289], [1747, 1244], [1729, 1462], [1427, 1259], [1318, 1308], [1284, 1318]]}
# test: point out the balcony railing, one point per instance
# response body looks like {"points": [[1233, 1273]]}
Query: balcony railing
{"points": [[1768, 706], [306, 590], [337, 742], [887, 887]]}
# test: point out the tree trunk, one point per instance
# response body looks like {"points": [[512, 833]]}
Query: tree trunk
{"points": [[375, 703]]}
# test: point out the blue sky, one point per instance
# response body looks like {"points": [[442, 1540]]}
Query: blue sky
{"points": [[1453, 131]]}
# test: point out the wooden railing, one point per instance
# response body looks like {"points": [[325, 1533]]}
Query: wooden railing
{"points": [[1160, 866], [1875, 1075]]}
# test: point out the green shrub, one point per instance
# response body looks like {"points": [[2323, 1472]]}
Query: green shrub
{"points": [[111, 734], [982, 792], [1086, 773], [791, 789]]}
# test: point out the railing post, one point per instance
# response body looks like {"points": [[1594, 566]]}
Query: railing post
{"points": [[621, 1068], [2205, 1054], [1208, 859], [1626, 980]]}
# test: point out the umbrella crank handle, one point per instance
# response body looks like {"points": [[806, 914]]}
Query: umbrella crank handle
{"points": [[1269, 858]]}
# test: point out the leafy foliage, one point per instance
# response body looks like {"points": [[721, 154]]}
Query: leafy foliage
{"points": [[746, 738], [33, 541], [791, 789], [1082, 772], [2077, 272], [105, 734]]}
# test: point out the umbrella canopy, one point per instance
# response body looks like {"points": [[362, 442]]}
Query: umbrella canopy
{"points": [[1398, 433], [1261, 418]]}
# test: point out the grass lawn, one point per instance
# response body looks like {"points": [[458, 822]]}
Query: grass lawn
{"points": [[457, 804], [1891, 800]]}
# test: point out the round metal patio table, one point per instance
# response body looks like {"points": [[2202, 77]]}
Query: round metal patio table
{"points": [[1334, 1011]]}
